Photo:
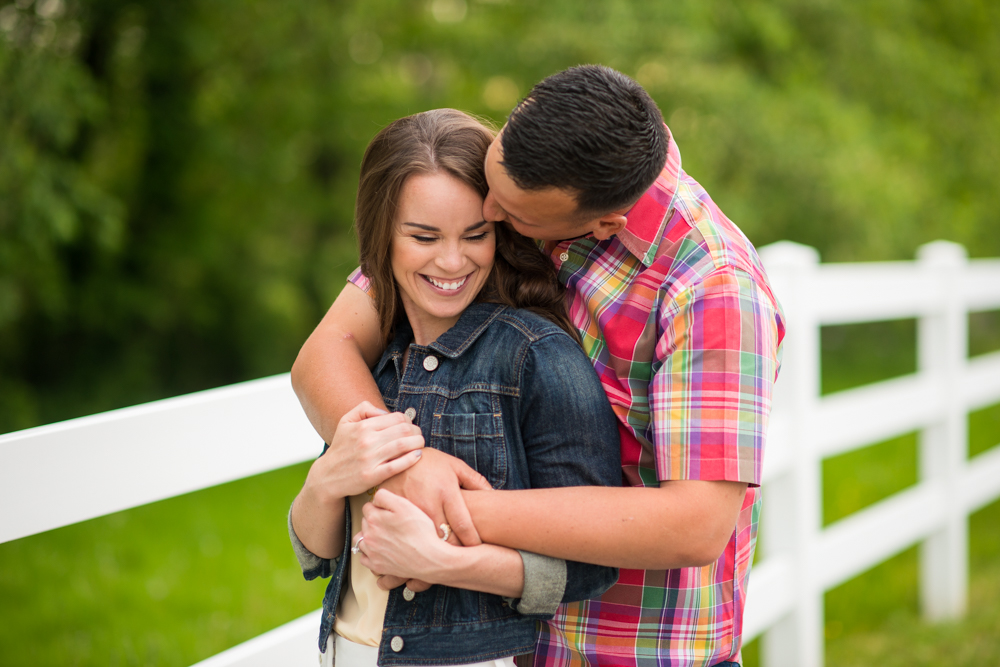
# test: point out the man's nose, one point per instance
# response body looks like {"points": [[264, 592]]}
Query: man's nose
{"points": [[492, 210]]}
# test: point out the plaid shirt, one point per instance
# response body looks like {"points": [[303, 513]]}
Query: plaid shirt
{"points": [[679, 320]]}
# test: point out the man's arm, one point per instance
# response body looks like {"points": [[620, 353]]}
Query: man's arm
{"points": [[332, 372], [681, 524], [708, 402]]}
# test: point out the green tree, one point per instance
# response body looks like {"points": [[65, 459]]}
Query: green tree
{"points": [[177, 179]]}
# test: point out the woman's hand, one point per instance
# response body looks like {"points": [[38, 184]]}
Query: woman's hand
{"points": [[398, 539], [400, 542], [369, 447]]}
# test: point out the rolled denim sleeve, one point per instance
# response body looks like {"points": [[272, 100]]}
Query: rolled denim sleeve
{"points": [[312, 565], [570, 436]]}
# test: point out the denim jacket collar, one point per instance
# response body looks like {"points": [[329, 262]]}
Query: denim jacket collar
{"points": [[453, 342]]}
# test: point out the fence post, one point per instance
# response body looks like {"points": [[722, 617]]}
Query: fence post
{"points": [[942, 342], [792, 509]]}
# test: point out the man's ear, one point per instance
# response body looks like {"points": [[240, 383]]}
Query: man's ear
{"points": [[609, 225]]}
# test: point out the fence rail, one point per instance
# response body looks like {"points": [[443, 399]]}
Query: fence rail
{"points": [[125, 458]]}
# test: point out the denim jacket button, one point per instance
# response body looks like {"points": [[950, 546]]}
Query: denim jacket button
{"points": [[408, 595], [411, 414], [396, 644], [430, 363]]}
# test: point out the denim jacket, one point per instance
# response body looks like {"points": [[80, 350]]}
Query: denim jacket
{"points": [[513, 396]]}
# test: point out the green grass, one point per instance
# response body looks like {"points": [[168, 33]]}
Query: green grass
{"points": [[177, 581], [169, 583]]}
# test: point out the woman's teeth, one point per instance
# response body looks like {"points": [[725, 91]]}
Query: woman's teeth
{"points": [[448, 286]]}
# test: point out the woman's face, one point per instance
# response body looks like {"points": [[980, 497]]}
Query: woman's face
{"points": [[442, 251]]}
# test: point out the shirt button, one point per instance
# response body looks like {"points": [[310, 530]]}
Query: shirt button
{"points": [[563, 256], [396, 644], [408, 595], [430, 363], [411, 414]]}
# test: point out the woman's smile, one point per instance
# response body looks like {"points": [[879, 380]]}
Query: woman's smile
{"points": [[447, 286]]}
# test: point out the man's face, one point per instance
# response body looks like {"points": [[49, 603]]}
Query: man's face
{"points": [[549, 215]]}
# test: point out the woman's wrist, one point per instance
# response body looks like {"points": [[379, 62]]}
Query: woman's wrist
{"points": [[322, 499], [319, 522], [486, 567]]}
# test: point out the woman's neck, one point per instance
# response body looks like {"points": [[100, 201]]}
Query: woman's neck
{"points": [[427, 329]]}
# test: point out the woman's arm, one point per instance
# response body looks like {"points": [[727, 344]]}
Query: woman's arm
{"points": [[399, 538], [570, 436]]}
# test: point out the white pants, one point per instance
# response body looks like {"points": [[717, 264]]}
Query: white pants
{"points": [[350, 654]]}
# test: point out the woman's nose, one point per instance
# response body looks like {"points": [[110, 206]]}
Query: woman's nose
{"points": [[452, 260]]}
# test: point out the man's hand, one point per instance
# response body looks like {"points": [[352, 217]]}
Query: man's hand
{"points": [[434, 485]]}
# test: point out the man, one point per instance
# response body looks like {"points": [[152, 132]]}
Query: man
{"points": [[676, 314]]}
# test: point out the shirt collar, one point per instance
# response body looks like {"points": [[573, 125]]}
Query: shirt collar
{"points": [[647, 219], [452, 343]]}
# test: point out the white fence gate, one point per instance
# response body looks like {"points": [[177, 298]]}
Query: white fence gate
{"points": [[60, 474]]}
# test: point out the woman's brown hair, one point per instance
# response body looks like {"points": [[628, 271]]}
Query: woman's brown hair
{"points": [[456, 143]]}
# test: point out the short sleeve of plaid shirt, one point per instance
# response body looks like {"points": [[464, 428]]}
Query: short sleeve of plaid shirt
{"points": [[711, 395], [359, 279]]}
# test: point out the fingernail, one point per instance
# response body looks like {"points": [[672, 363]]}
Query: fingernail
{"points": [[381, 411], [418, 454]]}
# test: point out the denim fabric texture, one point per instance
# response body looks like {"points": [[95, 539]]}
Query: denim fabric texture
{"points": [[514, 396]]}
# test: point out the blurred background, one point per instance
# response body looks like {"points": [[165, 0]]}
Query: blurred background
{"points": [[176, 194]]}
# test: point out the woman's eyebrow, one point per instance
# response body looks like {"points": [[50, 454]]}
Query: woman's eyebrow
{"points": [[431, 228]]}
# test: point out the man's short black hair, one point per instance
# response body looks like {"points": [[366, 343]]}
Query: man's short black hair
{"points": [[589, 129]]}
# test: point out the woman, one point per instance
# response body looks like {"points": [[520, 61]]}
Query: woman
{"points": [[483, 361]]}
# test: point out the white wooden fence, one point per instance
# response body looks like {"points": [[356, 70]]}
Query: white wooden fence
{"points": [[802, 559], [60, 474]]}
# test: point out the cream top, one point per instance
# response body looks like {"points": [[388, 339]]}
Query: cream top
{"points": [[362, 603]]}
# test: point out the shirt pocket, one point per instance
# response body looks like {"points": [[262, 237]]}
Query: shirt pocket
{"points": [[475, 438]]}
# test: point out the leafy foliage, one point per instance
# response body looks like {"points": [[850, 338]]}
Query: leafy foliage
{"points": [[177, 179]]}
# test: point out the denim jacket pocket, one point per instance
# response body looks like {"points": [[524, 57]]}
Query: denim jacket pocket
{"points": [[475, 438]]}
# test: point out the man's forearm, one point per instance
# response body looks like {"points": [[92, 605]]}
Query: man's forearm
{"points": [[332, 372], [681, 524]]}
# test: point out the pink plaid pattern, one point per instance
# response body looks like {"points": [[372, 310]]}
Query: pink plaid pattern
{"points": [[680, 322]]}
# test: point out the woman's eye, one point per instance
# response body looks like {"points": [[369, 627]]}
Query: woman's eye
{"points": [[478, 237], [424, 239]]}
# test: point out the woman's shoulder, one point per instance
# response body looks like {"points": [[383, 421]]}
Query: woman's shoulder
{"points": [[530, 325]]}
